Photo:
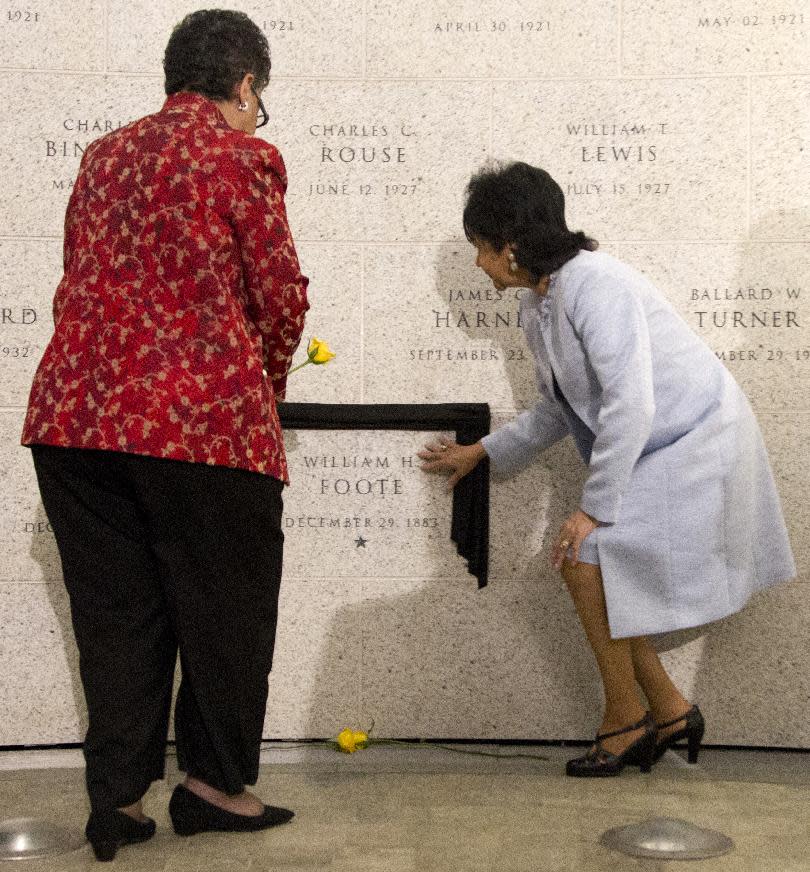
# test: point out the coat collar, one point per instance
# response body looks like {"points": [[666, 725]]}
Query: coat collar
{"points": [[546, 308], [542, 301], [191, 104]]}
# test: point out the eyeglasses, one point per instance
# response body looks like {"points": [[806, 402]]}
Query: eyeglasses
{"points": [[262, 117]]}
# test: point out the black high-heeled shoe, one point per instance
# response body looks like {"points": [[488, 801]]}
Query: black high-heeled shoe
{"points": [[599, 763], [192, 814], [108, 831], [692, 732]]}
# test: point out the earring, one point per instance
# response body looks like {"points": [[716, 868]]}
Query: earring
{"points": [[243, 106], [513, 267]]}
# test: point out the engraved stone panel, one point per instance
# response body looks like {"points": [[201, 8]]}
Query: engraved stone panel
{"points": [[29, 546], [728, 36], [437, 330], [780, 169], [315, 681], [508, 661], [305, 39], [360, 506], [371, 161], [42, 149], [750, 303], [39, 682], [335, 316], [29, 273], [44, 35], [379, 619], [636, 159], [478, 39]]}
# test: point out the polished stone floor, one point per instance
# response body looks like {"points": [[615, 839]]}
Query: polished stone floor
{"points": [[400, 809]]}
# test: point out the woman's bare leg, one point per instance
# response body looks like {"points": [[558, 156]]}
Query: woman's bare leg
{"points": [[613, 656], [666, 701]]}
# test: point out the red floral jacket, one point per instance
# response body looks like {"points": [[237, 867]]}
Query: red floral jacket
{"points": [[182, 300]]}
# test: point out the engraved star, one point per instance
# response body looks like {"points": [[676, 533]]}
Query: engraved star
{"points": [[360, 542]]}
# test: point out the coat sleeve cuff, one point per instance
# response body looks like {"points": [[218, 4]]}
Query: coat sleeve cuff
{"points": [[604, 508], [505, 454]]}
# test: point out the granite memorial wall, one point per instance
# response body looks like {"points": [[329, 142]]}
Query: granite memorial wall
{"points": [[680, 134]]}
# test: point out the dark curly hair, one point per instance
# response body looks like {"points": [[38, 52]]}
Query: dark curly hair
{"points": [[521, 205], [211, 51]]}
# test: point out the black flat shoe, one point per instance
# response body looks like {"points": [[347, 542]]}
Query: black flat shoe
{"points": [[693, 732], [599, 763], [108, 831], [192, 814]]}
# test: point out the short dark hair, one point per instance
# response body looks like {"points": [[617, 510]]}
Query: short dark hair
{"points": [[518, 204], [212, 50]]}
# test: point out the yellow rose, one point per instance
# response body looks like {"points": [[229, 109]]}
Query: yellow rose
{"points": [[318, 351], [345, 740], [349, 740]]}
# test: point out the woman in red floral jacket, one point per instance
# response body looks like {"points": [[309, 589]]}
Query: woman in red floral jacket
{"points": [[156, 439]]}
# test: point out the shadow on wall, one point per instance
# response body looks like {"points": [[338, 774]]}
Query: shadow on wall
{"points": [[511, 661], [529, 509], [442, 659], [467, 301]]}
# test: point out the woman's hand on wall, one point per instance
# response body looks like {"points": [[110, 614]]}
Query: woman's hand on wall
{"points": [[450, 458], [571, 535]]}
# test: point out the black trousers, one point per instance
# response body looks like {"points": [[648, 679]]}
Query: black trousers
{"points": [[160, 555]]}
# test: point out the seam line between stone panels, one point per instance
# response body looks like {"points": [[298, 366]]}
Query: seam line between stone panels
{"points": [[620, 36], [144, 74], [749, 168], [362, 323], [491, 119], [98, 74], [703, 241], [535, 79], [365, 39], [460, 240], [416, 579], [107, 36]]}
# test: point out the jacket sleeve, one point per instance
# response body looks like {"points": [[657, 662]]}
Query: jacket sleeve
{"points": [[610, 322], [75, 223], [515, 445], [275, 288]]}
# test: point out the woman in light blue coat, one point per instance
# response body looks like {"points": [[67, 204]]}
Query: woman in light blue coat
{"points": [[679, 521]]}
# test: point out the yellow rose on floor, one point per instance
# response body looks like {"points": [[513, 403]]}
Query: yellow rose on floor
{"points": [[345, 740], [349, 740], [318, 351]]}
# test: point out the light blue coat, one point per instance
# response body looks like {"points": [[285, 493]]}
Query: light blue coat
{"points": [[691, 523]]}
